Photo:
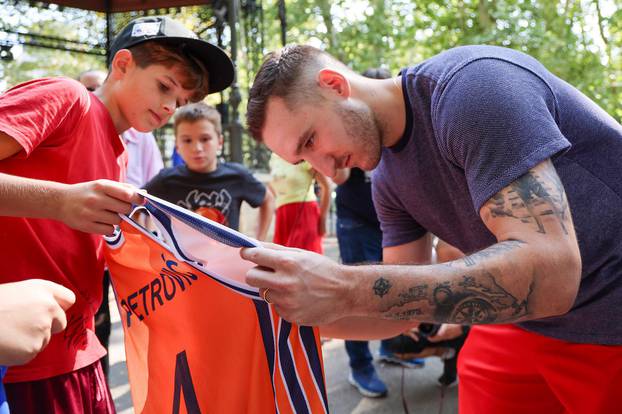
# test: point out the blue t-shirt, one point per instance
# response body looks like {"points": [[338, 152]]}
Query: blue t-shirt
{"points": [[354, 201], [479, 117]]}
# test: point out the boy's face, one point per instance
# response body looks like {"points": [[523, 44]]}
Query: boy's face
{"points": [[198, 144], [148, 97]]}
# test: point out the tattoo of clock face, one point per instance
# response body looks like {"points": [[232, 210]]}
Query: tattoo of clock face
{"points": [[381, 287]]}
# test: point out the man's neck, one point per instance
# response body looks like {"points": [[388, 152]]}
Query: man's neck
{"points": [[386, 100]]}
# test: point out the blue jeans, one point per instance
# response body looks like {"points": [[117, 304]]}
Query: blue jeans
{"points": [[358, 242]]}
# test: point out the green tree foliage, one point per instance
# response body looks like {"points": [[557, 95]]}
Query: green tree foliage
{"points": [[32, 62], [578, 40]]}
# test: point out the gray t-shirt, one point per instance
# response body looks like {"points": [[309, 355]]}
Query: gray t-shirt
{"points": [[479, 117]]}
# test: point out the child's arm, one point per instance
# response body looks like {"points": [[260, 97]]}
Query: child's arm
{"points": [[91, 207], [325, 191], [266, 212]]}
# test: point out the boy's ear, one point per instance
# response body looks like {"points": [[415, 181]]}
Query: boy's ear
{"points": [[121, 63], [334, 81]]}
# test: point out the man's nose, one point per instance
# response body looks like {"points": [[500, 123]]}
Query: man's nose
{"points": [[324, 164]]}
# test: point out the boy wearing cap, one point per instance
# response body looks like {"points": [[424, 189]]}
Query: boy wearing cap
{"points": [[60, 159]]}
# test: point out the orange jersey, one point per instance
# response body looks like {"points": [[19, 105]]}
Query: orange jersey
{"points": [[197, 338]]}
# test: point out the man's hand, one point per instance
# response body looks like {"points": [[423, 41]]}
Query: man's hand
{"points": [[305, 287], [30, 311], [94, 206]]}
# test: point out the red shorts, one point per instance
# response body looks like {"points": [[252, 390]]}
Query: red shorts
{"points": [[297, 226], [81, 391], [505, 369]]}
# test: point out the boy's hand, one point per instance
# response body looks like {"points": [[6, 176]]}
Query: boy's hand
{"points": [[30, 311], [94, 206]]}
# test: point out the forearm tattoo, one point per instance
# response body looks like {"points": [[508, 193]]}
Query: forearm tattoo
{"points": [[476, 300], [476, 297], [473, 299], [531, 197], [381, 287]]}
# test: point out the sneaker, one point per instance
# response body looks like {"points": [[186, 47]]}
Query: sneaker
{"points": [[391, 358], [367, 382]]}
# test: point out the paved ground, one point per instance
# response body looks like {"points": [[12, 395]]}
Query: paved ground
{"points": [[420, 392]]}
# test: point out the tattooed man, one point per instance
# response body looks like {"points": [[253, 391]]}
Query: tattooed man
{"points": [[485, 148]]}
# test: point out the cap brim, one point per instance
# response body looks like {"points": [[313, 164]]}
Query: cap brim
{"points": [[217, 62]]}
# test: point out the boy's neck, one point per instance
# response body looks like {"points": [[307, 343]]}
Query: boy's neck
{"points": [[205, 170], [106, 95]]}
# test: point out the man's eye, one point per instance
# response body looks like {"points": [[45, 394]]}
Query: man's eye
{"points": [[310, 141]]}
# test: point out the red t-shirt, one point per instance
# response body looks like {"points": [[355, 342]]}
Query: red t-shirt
{"points": [[67, 136]]}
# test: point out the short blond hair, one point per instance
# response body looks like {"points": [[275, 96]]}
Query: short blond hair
{"points": [[195, 112]]}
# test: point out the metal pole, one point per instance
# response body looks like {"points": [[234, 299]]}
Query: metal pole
{"points": [[108, 31], [235, 127], [283, 20]]}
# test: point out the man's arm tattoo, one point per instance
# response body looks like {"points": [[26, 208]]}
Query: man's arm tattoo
{"points": [[381, 287], [532, 196], [474, 299], [477, 300], [406, 315], [413, 294]]}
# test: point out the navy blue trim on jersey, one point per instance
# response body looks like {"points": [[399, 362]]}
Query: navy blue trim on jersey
{"points": [[289, 370], [267, 334], [203, 225], [308, 340]]}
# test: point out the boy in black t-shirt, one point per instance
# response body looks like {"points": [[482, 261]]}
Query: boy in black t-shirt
{"points": [[204, 185]]}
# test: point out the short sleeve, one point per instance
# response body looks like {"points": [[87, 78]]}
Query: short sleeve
{"points": [[495, 120], [397, 225], [254, 190], [33, 111], [156, 186]]}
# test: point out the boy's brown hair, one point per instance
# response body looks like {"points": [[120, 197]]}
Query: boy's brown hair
{"points": [[195, 112]]}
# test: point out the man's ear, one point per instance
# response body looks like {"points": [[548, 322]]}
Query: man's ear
{"points": [[121, 63], [334, 81]]}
